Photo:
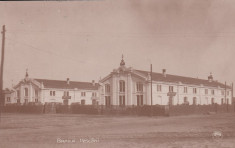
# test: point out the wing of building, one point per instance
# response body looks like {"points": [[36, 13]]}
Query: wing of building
{"points": [[127, 86], [43, 91]]}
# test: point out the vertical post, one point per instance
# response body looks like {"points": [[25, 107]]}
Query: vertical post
{"points": [[226, 96], [151, 90], [2, 99]]}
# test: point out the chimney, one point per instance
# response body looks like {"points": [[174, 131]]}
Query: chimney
{"points": [[93, 82], [164, 72], [67, 81], [210, 77]]}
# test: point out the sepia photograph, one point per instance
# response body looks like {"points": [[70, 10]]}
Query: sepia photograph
{"points": [[117, 73]]}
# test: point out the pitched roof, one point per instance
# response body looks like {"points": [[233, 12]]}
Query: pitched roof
{"points": [[63, 84], [182, 79]]}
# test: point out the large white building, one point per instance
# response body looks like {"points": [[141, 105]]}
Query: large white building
{"points": [[127, 86], [123, 87], [57, 91]]}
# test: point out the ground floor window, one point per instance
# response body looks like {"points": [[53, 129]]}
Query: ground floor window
{"points": [[194, 101], [36, 100], [8, 99], [170, 101], [186, 100], [121, 100], [227, 101], [222, 101], [26, 100], [107, 101], [140, 100], [94, 102], [18, 100], [83, 102], [66, 102], [212, 100]]}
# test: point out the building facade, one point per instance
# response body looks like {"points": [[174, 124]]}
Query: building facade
{"points": [[47, 91], [127, 87]]}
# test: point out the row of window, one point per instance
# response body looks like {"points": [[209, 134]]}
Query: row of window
{"points": [[171, 89], [66, 93], [140, 100]]}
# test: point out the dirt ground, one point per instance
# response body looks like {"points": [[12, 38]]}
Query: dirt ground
{"points": [[75, 131]]}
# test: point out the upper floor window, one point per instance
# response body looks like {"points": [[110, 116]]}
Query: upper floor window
{"points": [[107, 88], [93, 94], [222, 92], [122, 86], [206, 91], [194, 90], [212, 91], [159, 88], [26, 92], [171, 88], [52, 93], [139, 87], [185, 89], [83, 94]]}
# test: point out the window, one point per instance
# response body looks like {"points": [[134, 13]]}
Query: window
{"points": [[122, 86], [36, 100], [93, 94], [139, 87], [121, 100], [8, 99], [194, 101], [107, 101], [83, 94], [228, 93], [222, 92], [107, 88], [18, 93], [227, 101], [212, 91], [222, 101], [36, 93], [212, 100], [26, 92], [185, 89], [171, 88], [186, 100], [83, 102], [159, 88], [26, 100], [18, 101], [140, 100], [194, 90], [206, 91], [52, 93], [94, 102]]}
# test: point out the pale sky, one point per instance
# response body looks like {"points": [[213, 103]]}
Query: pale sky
{"points": [[84, 40]]}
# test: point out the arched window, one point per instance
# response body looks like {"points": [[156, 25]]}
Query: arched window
{"points": [[107, 88], [26, 92], [122, 86]]}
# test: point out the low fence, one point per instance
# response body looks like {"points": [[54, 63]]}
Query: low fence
{"points": [[199, 109], [155, 110], [29, 108]]}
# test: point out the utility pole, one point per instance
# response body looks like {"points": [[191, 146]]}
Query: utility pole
{"points": [[2, 98], [151, 90]]}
